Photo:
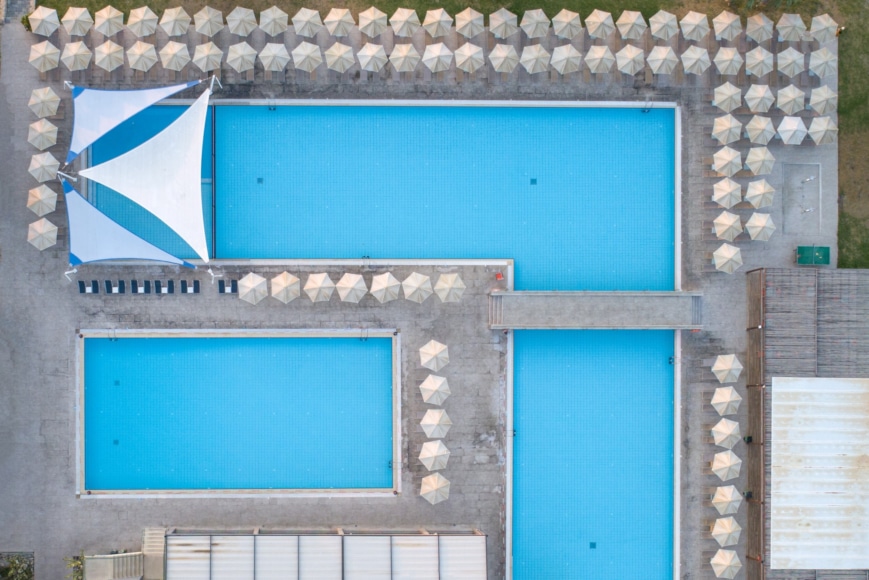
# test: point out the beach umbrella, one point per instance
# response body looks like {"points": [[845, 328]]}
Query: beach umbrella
{"points": [[629, 60], [823, 63], [662, 60], [434, 455], [759, 130], [44, 21], [372, 22], [273, 21], [437, 22], [725, 564], [726, 433], [241, 21], [726, 531], [208, 21], [371, 57], [339, 57], [404, 58], [307, 57], [241, 57], [76, 56], [727, 97], [449, 287], [663, 25], [252, 288], [437, 57], [175, 21], [727, 226], [728, 61], [469, 23], [823, 100], [695, 26], [792, 130], [351, 288], [285, 286], [109, 55], [759, 193], [790, 28], [695, 60], [726, 129], [435, 390], [434, 355], [759, 98], [727, 161], [42, 234], [791, 100], [823, 130], [417, 287], [534, 59], [207, 56], [469, 57], [727, 26], [631, 25], [43, 102], [726, 400], [727, 498], [435, 488], [339, 22], [566, 24], [599, 24], [824, 28], [319, 287], [504, 58], [791, 62], [535, 23], [43, 167], [109, 21], [502, 23], [727, 258], [758, 27], [759, 161], [404, 22], [726, 465], [599, 59], [142, 21], [77, 21], [42, 134], [727, 368], [307, 22], [758, 61], [436, 423], [41, 200], [566, 59], [142, 56], [174, 56], [726, 193], [384, 287], [760, 227]]}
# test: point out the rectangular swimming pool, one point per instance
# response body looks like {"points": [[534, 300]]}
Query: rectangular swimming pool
{"points": [[254, 412]]}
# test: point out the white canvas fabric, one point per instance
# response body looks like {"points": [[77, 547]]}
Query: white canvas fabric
{"points": [[163, 175]]}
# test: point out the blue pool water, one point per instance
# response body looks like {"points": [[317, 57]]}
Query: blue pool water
{"points": [[238, 413], [593, 455], [576, 196]]}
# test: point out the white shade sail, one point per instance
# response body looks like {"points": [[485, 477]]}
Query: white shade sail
{"points": [[695, 26], [758, 61], [437, 57], [274, 21], [504, 58], [404, 58], [726, 129], [759, 161], [253, 288], [286, 287], [207, 56], [449, 287], [535, 23], [534, 59], [77, 21], [791, 62], [339, 22], [760, 227], [599, 59], [631, 25], [42, 134], [417, 288], [824, 100], [307, 57], [351, 288], [503, 23], [727, 161], [695, 60], [630, 60], [726, 193], [434, 455], [371, 57], [662, 60], [824, 28], [727, 97], [727, 368], [823, 130], [727, 258], [726, 499], [760, 130], [109, 55], [759, 193], [44, 21], [404, 22], [469, 58], [726, 465], [43, 102], [728, 61], [307, 22], [566, 59], [436, 423], [435, 390], [339, 57], [726, 531], [174, 55], [319, 287], [109, 21], [163, 175], [823, 63], [759, 98], [142, 21], [725, 564], [437, 22], [41, 200], [42, 234], [208, 21], [385, 287], [434, 355], [790, 27], [663, 25], [792, 130], [726, 400], [599, 24], [435, 488], [727, 26], [727, 226], [469, 23], [175, 21], [758, 27], [241, 21], [76, 56], [372, 22], [726, 433], [43, 167], [566, 24]]}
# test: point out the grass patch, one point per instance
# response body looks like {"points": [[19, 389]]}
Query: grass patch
{"points": [[853, 242]]}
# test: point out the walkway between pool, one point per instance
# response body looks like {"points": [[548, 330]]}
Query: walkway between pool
{"points": [[597, 310]]}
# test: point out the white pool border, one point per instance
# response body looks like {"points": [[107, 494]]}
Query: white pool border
{"points": [[119, 334]]}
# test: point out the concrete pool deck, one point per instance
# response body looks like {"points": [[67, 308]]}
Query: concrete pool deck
{"points": [[40, 310]]}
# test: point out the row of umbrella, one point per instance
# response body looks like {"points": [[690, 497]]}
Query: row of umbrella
{"points": [[791, 130], [727, 226], [437, 22], [760, 99], [434, 455], [727, 193], [319, 287], [728, 161]]}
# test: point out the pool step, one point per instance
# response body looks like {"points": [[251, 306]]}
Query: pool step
{"points": [[153, 548]]}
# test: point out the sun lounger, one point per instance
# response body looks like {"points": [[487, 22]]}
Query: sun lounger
{"points": [[224, 288], [190, 288], [160, 288], [136, 288], [112, 289], [92, 288]]}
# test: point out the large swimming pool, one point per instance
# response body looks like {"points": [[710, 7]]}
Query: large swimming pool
{"points": [[577, 196]]}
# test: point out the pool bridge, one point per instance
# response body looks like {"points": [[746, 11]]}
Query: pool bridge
{"points": [[595, 310]]}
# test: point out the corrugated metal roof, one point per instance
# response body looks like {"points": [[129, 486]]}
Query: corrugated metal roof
{"points": [[277, 557], [819, 475], [320, 558], [367, 558]]}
